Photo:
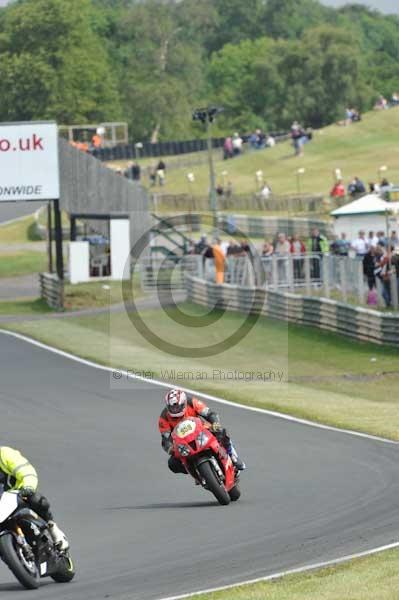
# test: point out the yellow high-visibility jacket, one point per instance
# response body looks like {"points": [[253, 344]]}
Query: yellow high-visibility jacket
{"points": [[17, 471]]}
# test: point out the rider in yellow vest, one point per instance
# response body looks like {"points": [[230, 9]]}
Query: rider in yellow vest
{"points": [[16, 473]]}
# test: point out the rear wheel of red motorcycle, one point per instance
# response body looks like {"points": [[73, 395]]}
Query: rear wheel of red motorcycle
{"points": [[212, 483], [234, 493]]}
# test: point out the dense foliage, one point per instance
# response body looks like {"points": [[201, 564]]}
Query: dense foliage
{"points": [[150, 62]]}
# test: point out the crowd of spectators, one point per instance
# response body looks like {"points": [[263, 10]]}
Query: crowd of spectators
{"points": [[379, 255], [357, 188], [383, 104], [234, 145]]}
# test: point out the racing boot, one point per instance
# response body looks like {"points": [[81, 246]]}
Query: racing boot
{"points": [[59, 538], [235, 459]]}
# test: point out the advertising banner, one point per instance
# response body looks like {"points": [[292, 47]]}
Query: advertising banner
{"points": [[29, 161]]}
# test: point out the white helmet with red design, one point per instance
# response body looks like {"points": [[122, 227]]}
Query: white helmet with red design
{"points": [[176, 402]]}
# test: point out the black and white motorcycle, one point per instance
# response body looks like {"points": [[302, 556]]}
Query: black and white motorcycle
{"points": [[26, 545]]}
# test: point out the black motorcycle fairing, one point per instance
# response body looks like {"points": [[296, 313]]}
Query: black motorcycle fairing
{"points": [[38, 537]]}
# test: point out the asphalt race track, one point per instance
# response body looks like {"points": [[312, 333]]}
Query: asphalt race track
{"points": [[141, 533], [14, 210]]}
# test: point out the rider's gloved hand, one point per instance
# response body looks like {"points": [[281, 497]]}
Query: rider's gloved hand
{"points": [[216, 427], [26, 492]]}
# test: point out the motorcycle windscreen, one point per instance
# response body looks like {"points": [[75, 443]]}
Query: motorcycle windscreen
{"points": [[8, 505]]}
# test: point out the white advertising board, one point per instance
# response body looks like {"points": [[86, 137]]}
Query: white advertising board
{"points": [[29, 161]]}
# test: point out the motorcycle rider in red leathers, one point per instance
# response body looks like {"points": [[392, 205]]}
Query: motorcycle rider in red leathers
{"points": [[179, 406]]}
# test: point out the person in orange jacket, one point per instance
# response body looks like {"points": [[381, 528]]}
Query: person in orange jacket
{"points": [[219, 257]]}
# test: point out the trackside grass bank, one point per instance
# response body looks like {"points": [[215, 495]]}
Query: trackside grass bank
{"points": [[372, 578], [360, 149], [13, 264], [296, 370], [20, 231]]}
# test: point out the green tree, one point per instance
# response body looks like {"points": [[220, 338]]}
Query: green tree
{"points": [[163, 74], [289, 19], [55, 63]]}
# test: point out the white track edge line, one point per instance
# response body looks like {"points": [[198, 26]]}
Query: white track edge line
{"points": [[298, 570], [15, 220], [158, 383], [281, 574]]}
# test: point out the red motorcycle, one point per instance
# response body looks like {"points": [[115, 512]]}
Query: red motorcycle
{"points": [[205, 459]]}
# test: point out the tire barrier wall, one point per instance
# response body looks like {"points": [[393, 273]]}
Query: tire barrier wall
{"points": [[172, 148], [358, 323], [52, 290]]}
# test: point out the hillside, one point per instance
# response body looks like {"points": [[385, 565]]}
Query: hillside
{"points": [[359, 149]]}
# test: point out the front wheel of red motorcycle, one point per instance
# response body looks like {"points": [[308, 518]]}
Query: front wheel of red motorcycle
{"points": [[213, 484], [235, 493]]}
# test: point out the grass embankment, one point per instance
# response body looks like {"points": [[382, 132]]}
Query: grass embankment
{"points": [[372, 578], [360, 149], [325, 377], [18, 232], [97, 294], [14, 264], [15, 258]]}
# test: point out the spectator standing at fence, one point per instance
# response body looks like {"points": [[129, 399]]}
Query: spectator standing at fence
{"points": [[369, 265], [282, 251], [381, 104], [228, 148], [152, 175], [267, 249], [219, 257], [297, 250], [161, 172], [296, 136], [341, 246], [96, 141], [395, 266], [360, 245], [385, 186], [253, 141], [317, 244], [133, 171], [382, 239], [237, 144], [372, 239], [282, 247], [201, 245], [264, 195], [356, 187], [382, 271], [338, 191], [393, 240]]}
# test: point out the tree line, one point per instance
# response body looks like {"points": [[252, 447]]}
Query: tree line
{"points": [[150, 62]]}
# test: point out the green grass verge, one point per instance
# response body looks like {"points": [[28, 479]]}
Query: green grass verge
{"points": [[96, 294], [13, 264], [359, 149], [372, 578], [325, 377], [24, 307], [21, 231]]}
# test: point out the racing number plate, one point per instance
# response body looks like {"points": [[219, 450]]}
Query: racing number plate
{"points": [[185, 428]]}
